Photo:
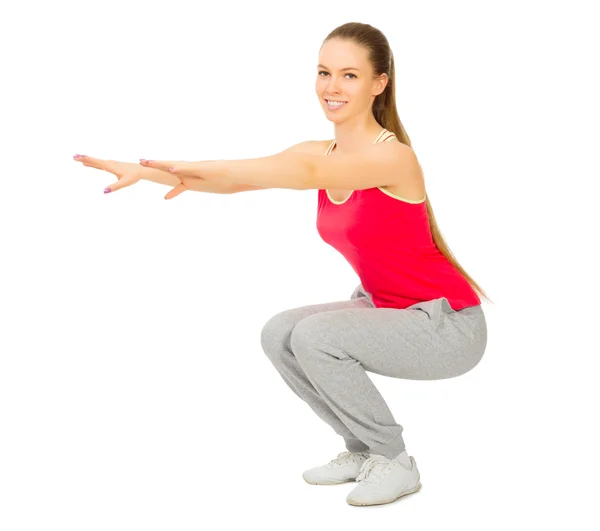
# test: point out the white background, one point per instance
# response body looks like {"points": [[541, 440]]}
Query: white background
{"points": [[134, 393]]}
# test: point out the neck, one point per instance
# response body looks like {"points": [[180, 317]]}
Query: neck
{"points": [[351, 136]]}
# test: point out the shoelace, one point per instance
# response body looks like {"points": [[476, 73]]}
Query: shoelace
{"points": [[369, 468], [341, 458]]}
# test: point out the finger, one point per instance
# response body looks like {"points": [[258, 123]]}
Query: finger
{"points": [[159, 164], [89, 165], [188, 169], [86, 161], [122, 183], [180, 188], [101, 164]]}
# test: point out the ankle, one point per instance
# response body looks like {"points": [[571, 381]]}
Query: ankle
{"points": [[403, 458]]}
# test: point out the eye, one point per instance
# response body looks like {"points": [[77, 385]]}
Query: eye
{"points": [[323, 72]]}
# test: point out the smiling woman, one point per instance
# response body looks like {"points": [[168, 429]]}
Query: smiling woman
{"points": [[416, 313], [411, 285]]}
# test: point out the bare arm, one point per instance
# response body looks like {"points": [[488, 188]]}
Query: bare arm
{"points": [[311, 146], [246, 188], [130, 173], [226, 187], [199, 185]]}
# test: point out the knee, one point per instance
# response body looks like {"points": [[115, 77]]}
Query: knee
{"points": [[301, 333], [307, 332], [275, 334]]}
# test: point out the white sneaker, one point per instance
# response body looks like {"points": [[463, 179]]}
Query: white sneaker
{"points": [[345, 467], [382, 480]]}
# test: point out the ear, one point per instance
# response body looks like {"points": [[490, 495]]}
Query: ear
{"points": [[380, 84]]}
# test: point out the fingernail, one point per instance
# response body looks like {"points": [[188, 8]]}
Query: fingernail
{"points": [[107, 190]]}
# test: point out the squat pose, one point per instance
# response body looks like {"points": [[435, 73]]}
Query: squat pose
{"points": [[416, 313]]}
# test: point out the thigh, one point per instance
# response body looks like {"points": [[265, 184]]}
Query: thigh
{"points": [[426, 341], [279, 327]]}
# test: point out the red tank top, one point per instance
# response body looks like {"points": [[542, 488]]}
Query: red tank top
{"points": [[387, 241]]}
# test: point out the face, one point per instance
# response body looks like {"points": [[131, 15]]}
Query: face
{"points": [[356, 86]]}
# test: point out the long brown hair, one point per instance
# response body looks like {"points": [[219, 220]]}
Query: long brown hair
{"points": [[386, 112]]}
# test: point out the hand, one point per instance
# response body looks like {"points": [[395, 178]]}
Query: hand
{"points": [[187, 172], [127, 173]]}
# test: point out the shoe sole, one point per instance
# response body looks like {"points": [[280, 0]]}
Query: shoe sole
{"points": [[406, 493], [329, 482]]}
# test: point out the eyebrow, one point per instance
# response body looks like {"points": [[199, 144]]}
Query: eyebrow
{"points": [[341, 69]]}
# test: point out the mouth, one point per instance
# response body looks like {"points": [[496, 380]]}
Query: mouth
{"points": [[335, 104]]}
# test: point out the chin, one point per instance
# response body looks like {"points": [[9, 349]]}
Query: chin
{"points": [[332, 116], [334, 119]]}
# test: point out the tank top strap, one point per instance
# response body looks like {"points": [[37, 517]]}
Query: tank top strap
{"points": [[384, 136], [330, 147]]}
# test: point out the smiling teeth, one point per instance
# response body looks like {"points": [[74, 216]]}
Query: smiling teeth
{"points": [[338, 103]]}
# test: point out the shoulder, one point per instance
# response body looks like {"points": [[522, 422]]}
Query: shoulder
{"points": [[392, 146], [392, 150], [402, 152], [394, 154], [318, 147]]}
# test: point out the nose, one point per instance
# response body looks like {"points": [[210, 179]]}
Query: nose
{"points": [[332, 87]]}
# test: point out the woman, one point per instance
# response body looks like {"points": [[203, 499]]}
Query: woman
{"points": [[416, 313]]}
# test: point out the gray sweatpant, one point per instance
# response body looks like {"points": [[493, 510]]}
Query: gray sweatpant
{"points": [[323, 353]]}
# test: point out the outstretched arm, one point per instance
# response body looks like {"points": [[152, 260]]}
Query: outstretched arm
{"points": [[382, 164], [283, 170]]}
